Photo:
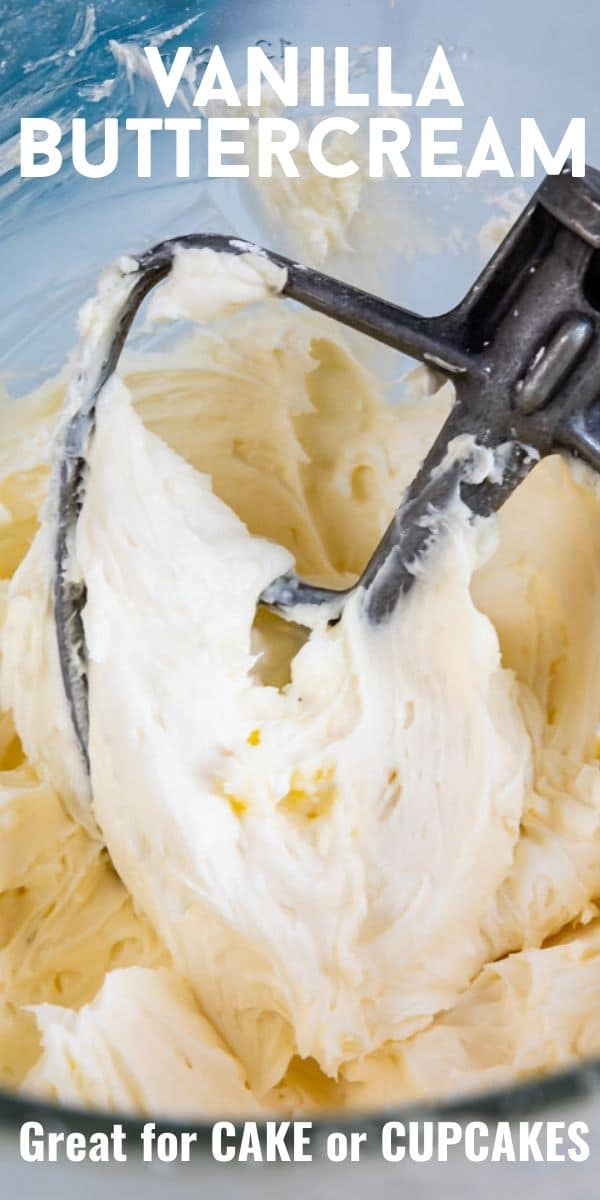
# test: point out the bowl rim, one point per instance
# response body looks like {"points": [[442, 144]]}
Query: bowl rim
{"points": [[504, 1103]]}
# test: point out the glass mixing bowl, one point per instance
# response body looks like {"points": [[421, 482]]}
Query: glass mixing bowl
{"points": [[64, 58]]}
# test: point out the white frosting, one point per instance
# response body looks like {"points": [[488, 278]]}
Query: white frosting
{"points": [[283, 858], [528, 1014], [202, 285], [333, 860], [160, 1047]]}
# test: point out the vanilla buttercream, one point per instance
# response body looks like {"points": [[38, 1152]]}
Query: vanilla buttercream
{"points": [[334, 831]]}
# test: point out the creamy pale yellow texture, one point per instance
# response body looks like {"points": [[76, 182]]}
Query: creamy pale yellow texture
{"points": [[363, 871], [143, 1045]]}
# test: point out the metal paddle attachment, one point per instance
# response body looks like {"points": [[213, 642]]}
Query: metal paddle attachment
{"points": [[523, 353]]}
